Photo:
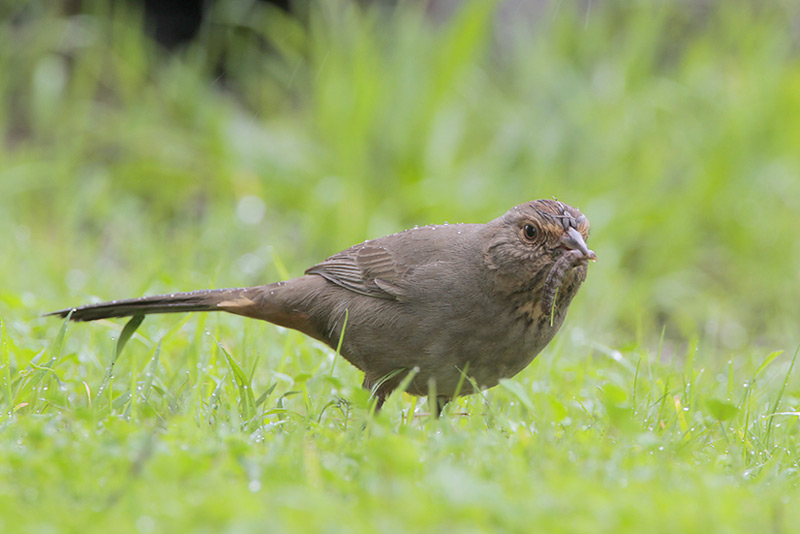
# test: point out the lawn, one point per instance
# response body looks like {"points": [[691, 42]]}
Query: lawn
{"points": [[668, 402]]}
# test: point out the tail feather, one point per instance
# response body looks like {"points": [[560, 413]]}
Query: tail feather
{"points": [[204, 300], [286, 304]]}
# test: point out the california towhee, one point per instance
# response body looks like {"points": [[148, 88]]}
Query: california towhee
{"points": [[445, 302]]}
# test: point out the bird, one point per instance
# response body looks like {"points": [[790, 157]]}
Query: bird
{"points": [[448, 309]]}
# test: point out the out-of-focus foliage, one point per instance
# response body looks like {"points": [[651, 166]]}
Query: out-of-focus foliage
{"points": [[671, 124]]}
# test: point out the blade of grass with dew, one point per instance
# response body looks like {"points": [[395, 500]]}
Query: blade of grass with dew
{"points": [[768, 360], [748, 398], [213, 402], [264, 396], [778, 397], [127, 331], [5, 364], [247, 400], [29, 381], [150, 374], [516, 389], [143, 392]]}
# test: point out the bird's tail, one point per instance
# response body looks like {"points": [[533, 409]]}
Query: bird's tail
{"points": [[205, 300]]}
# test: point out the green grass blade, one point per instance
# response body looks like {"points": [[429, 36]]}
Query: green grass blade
{"points": [[768, 360], [778, 397], [127, 331], [58, 343], [341, 340], [5, 364], [516, 389], [247, 401]]}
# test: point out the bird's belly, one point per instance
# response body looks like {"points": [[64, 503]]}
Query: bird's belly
{"points": [[458, 365], [509, 360]]}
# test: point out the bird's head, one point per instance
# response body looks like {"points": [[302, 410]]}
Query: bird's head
{"points": [[540, 246]]}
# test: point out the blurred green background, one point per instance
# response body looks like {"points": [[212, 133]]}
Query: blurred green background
{"points": [[672, 125], [273, 140]]}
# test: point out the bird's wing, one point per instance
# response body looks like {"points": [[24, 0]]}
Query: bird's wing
{"points": [[368, 269]]}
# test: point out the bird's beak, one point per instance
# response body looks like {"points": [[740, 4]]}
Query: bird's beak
{"points": [[574, 241]]}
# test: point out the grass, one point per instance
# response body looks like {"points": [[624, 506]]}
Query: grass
{"points": [[668, 402]]}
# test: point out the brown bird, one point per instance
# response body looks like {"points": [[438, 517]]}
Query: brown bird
{"points": [[455, 305]]}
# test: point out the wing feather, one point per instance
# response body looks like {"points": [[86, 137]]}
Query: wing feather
{"points": [[367, 269]]}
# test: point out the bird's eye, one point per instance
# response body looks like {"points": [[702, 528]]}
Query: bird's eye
{"points": [[529, 232]]}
